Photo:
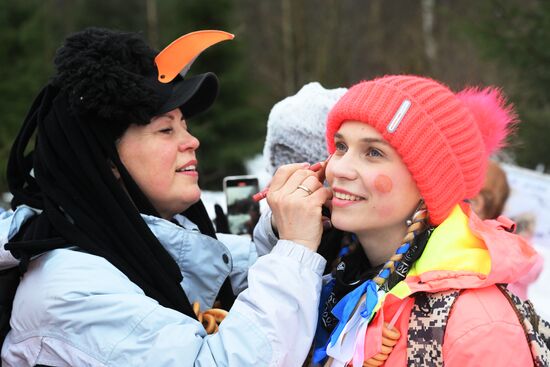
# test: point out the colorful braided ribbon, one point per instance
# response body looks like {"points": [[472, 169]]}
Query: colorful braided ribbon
{"points": [[348, 338]]}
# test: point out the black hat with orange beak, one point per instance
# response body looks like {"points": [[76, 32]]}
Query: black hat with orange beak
{"points": [[115, 77]]}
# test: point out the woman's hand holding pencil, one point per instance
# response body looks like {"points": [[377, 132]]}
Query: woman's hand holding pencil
{"points": [[296, 196], [314, 167]]}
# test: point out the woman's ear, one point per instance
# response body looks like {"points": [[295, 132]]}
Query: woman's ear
{"points": [[477, 204]]}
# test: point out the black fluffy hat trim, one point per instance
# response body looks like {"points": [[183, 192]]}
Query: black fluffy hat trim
{"points": [[104, 74], [111, 76]]}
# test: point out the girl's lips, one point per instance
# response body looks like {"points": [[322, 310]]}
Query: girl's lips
{"points": [[344, 194], [343, 203], [343, 198], [338, 189]]}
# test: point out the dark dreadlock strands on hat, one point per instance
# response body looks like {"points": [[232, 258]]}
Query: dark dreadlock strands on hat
{"points": [[85, 206], [20, 181], [68, 175]]}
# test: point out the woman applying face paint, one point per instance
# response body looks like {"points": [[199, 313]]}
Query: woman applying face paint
{"points": [[407, 155], [112, 258]]}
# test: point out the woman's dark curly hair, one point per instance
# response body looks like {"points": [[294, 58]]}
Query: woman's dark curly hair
{"points": [[105, 76]]}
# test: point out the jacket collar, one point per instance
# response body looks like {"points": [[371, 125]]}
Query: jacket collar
{"points": [[467, 252]]}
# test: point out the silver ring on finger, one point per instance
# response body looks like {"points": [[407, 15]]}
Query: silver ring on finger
{"points": [[302, 187]]}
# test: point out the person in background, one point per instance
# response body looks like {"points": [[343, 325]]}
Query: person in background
{"points": [[490, 204], [491, 200], [296, 133], [296, 126], [119, 262]]}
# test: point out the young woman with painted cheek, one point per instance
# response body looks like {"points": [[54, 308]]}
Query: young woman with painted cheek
{"points": [[373, 192], [160, 156], [405, 247]]}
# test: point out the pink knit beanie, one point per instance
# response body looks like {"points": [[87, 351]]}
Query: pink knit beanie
{"points": [[445, 139]]}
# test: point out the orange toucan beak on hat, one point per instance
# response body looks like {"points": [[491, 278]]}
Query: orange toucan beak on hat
{"points": [[178, 56]]}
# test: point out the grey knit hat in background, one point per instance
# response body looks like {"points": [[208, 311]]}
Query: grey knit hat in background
{"points": [[296, 126]]}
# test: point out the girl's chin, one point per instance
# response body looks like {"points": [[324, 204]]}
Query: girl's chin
{"points": [[341, 221]]}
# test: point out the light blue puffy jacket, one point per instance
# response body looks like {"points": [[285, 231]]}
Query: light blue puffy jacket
{"points": [[76, 309]]}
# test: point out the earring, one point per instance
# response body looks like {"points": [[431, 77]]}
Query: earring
{"points": [[419, 213]]}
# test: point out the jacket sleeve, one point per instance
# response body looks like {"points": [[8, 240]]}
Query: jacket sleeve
{"points": [[264, 237], [10, 222], [97, 317], [271, 323]]}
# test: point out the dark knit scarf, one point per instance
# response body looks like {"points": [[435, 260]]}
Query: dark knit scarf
{"points": [[353, 269], [84, 205]]}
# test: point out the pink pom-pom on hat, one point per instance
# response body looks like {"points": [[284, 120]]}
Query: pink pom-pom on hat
{"points": [[495, 118], [443, 138]]}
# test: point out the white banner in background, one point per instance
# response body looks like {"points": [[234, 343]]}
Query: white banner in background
{"points": [[529, 207], [529, 203]]}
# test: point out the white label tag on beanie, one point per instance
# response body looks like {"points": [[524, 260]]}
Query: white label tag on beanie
{"points": [[396, 120]]}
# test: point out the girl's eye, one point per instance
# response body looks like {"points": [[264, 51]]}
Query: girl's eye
{"points": [[340, 147], [167, 130], [373, 152]]}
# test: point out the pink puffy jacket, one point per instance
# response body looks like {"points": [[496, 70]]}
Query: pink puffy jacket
{"points": [[465, 252]]}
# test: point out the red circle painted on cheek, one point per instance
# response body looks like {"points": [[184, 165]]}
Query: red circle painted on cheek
{"points": [[383, 184]]}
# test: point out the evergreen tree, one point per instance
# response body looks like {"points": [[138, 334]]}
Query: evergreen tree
{"points": [[517, 34], [232, 130], [28, 43]]}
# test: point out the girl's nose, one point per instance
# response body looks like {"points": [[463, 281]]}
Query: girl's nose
{"points": [[343, 167]]}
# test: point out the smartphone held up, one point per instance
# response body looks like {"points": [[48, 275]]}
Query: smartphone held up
{"points": [[242, 211]]}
